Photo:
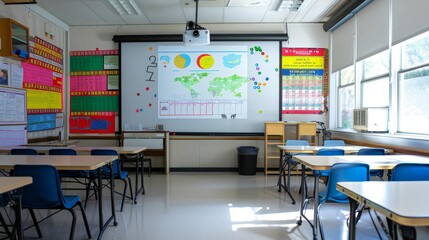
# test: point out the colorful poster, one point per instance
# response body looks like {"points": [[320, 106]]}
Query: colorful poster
{"points": [[92, 124], [94, 85], [304, 79], [208, 82]]}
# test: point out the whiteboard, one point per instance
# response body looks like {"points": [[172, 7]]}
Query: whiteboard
{"points": [[12, 106], [13, 135], [142, 109]]}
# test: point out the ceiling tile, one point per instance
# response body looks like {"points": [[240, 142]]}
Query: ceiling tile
{"points": [[241, 14], [205, 15]]}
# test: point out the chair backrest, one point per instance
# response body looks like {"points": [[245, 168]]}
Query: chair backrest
{"points": [[330, 152], [334, 143], [345, 172], [410, 172], [371, 151], [297, 143], [62, 151], [23, 151], [109, 152], [45, 191]]}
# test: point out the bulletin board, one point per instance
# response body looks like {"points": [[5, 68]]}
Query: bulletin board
{"points": [[94, 91], [43, 81], [226, 87], [304, 80]]}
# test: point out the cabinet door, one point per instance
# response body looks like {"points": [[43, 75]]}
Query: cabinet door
{"points": [[15, 38]]}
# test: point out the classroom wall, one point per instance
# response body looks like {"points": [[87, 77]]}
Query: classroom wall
{"points": [[207, 153], [37, 20]]}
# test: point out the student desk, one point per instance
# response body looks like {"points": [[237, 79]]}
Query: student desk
{"points": [[11, 183], [399, 201], [288, 151], [135, 151], [379, 162], [79, 162]]}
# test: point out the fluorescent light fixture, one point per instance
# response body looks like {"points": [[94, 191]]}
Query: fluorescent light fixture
{"points": [[124, 7], [290, 5], [10, 2]]}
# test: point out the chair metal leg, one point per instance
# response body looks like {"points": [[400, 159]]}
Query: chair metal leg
{"points": [[73, 226], [131, 188], [6, 228], [124, 193], [85, 220], [36, 224]]}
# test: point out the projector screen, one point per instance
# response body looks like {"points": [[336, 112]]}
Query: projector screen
{"points": [[226, 87]]}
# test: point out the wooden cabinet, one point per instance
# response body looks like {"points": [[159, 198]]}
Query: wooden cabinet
{"points": [[274, 135], [14, 39]]}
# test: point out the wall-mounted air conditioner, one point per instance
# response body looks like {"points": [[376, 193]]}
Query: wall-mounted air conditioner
{"points": [[371, 119]]}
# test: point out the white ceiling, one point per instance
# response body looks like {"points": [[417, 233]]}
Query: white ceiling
{"points": [[96, 12]]}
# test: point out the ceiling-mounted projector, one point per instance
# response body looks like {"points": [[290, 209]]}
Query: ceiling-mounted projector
{"points": [[195, 35]]}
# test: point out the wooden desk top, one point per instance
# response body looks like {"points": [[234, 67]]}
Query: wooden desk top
{"points": [[385, 162], [10, 183], [314, 149], [84, 150], [403, 202], [77, 162]]}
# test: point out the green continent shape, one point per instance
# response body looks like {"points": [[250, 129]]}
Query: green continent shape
{"points": [[190, 81], [229, 84]]}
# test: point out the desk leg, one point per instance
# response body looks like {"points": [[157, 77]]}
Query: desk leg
{"points": [[303, 195], [315, 206], [142, 177], [100, 199], [352, 224], [112, 194], [285, 160], [18, 215], [103, 225]]}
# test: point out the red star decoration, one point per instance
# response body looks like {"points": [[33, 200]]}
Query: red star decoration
{"points": [[150, 104], [147, 88], [137, 110]]}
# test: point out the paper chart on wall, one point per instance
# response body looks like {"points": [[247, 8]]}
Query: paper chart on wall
{"points": [[13, 135], [17, 75]]}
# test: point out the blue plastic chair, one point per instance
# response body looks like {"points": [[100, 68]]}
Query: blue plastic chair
{"points": [[75, 174], [328, 152], [45, 193], [334, 143], [341, 172], [408, 172], [118, 173], [23, 151], [373, 151]]}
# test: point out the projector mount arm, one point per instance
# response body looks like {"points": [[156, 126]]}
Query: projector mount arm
{"points": [[194, 25]]}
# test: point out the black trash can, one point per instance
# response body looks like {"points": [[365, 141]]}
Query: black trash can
{"points": [[247, 157]]}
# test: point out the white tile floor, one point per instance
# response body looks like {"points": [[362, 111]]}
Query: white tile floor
{"points": [[209, 206]]}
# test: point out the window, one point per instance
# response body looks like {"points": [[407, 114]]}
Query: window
{"points": [[413, 86], [375, 93], [375, 80], [346, 97], [413, 101], [415, 51]]}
